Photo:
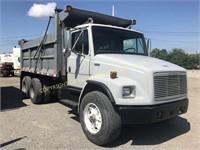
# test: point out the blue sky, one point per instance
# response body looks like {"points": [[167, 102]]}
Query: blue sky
{"points": [[169, 24]]}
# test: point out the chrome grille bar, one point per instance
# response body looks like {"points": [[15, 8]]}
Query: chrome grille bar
{"points": [[169, 85]]}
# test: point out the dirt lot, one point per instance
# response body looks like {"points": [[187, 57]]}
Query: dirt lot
{"points": [[26, 126]]}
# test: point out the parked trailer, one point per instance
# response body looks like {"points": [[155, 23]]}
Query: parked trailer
{"points": [[99, 65]]}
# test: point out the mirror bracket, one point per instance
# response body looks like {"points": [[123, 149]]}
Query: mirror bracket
{"points": [[66, 52]]}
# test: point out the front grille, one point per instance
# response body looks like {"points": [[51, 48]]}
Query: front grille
{"points": [[169, 85]]}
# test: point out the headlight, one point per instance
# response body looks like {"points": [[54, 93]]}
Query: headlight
{"points": [[128, 91]]}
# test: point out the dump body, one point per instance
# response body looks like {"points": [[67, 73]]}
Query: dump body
{"points": [[49, 62]]}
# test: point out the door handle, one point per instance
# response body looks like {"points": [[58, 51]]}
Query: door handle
{"points": [[69, 69]]}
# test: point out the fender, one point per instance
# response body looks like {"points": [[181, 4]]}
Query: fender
{"points": [[91, 85], [100, 85], [112, 88]]}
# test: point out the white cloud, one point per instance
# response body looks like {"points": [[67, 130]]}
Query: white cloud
{"points": [[42, 10]]}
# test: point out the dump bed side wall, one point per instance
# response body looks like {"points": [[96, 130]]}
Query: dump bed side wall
{"points": [[48, 62]]}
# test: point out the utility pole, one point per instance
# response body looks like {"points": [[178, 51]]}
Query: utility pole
{"points": [[113, 10]]}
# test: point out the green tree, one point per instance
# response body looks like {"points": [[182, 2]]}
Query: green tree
{"points": [[155, 52], [161, 54], [193, 61], [179, 57], [164, 54]]}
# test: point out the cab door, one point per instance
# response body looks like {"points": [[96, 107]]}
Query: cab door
{"points": [[79, 61]]}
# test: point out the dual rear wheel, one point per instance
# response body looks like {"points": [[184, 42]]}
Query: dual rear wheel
{"points": [[34, 89]]}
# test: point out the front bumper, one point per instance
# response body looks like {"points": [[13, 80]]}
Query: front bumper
{"points": [[153, 113]]}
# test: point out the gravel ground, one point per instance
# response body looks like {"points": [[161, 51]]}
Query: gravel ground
{"points": [[25, 126]]}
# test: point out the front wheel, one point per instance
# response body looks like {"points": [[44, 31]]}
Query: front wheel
{"points": [[99, 120]]}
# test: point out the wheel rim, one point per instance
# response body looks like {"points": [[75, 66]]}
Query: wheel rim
{"points": [[92, 118], [31, 93]]}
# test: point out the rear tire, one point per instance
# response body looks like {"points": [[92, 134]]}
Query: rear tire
{"points": [[35, 91], [12, 74], [46, 92], [26, 84], [5, 73], [99, 120]]}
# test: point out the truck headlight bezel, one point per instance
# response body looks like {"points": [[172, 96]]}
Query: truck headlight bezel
{"points": [[128, 91]]}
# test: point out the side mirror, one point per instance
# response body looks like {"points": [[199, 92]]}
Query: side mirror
{"points": [[66, 52], [148, 43]]}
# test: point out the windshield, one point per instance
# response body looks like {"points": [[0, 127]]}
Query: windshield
{"points": [[111, 40]]}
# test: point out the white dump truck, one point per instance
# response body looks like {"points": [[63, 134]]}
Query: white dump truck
{"points": [[6, 65], [10, 63], [98, 64]]}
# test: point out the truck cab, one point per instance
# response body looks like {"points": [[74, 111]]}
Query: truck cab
{"points": [[115, 60]]}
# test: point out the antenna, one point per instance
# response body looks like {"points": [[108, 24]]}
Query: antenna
{"points": [[113, 10]]}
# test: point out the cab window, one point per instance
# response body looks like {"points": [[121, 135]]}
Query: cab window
{"points": [[82, 45]]}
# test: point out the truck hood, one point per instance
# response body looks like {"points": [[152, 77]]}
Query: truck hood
{"points": [[136, 62]]}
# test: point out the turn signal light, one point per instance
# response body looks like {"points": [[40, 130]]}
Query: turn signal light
{"points": [[133, 22], [68, 8], [113, 74]]}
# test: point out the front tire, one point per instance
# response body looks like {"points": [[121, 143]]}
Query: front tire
{"points": [[99, 120]]}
